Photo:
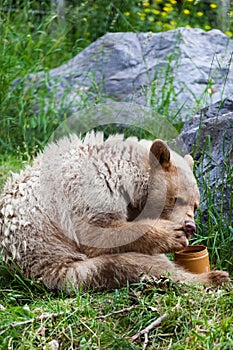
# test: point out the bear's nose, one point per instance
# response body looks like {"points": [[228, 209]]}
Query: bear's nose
{"points": [[189, 228]]}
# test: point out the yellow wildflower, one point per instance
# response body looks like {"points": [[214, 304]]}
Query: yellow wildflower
{"points": [[156, 12], [173, 2], [146, 4], [200, 14], [228, 33], [213, 6], [187, 26], [147, 10], [167, 26], [186, 11], [207, 27], [127, 14], [167, 9], [151, 19]]}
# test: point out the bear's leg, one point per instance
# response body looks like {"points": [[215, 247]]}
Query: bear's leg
{"points": [[57, 262], [114, 271], [162, 265], [159, 265], [144, 236], [70, 271]]}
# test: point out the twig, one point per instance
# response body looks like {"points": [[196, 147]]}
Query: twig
{"points": [[146, 330], [116, 312], [154, 324]]}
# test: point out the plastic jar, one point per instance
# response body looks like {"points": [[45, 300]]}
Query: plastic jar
{"points": [[193, 258]]}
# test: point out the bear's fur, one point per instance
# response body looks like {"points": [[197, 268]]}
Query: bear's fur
{"points": [[97, 213]]}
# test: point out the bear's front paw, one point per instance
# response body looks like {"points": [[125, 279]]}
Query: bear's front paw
{"points": [[177, 237], [170, 237], [179, 240], [217, 277], [212, 277]]}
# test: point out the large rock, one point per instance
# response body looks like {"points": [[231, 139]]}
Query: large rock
{"points": [[178, 71], [209, 137]]}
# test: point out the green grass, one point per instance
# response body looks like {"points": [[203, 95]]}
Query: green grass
{"points": [[197, 317], [214, 224], [30, 316]]}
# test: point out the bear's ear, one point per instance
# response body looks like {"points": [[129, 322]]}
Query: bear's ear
{"points": [[189, 160], [160, 153]]}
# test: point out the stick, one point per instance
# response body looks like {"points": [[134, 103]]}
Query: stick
{"points": [[154, 324], [146, 330]]}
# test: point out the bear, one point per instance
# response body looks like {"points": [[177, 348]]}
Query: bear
{"points": [[95, 213]]}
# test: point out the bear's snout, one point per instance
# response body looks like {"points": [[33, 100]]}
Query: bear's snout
{"points": [[189, 228]]}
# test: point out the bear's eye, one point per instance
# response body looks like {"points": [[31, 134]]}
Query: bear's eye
{"points": [[195, 207]]}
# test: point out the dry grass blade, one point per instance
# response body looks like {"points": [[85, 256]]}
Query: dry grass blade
{"points": [[116, 312]]}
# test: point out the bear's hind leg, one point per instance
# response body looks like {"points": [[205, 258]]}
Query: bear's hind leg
{"points": [[102, 272]]}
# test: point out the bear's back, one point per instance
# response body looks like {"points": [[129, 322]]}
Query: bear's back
{"points": [[93, 177]]}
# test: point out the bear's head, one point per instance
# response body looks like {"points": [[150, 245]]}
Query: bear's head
{"points": [[172, 192]]}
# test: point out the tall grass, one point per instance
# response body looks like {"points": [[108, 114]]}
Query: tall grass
{"points": [[214, 219], [29, 43]]}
